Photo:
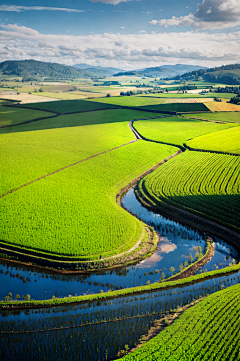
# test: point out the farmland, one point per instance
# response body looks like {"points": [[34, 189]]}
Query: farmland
{"points": [[229, 117], [206, 331], [70, 106], [205, 184], [224, 141], [59, 179], [176, 130], [222, 107], [13, 116], [78, 207], [139, 101]]}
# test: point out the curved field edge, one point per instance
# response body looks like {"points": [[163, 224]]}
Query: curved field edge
{"points": [[208, 330], [202, 184], [12, 305], [144, 249], [123, 175]]}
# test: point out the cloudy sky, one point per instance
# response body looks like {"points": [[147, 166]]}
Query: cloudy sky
{"points": [[128, 34]]}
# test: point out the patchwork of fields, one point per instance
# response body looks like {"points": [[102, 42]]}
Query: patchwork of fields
{"points": [[61, 173], [73, 212]]}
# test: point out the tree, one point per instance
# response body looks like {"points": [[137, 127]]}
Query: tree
{"points": [[172, 269], [17, 296], [108, 95]]}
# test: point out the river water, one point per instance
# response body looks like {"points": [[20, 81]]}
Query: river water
{"points": [[118, 323]]}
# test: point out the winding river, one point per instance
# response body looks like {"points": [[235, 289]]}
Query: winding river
{"points": [[98, 330]]}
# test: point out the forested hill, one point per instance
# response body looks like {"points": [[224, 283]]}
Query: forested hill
{"points": [[226, 74], [34, 70]]}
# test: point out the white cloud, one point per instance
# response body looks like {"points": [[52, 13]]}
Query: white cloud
{"points": [[18, 8], [113, 2], [210, 14], [120, 50]]}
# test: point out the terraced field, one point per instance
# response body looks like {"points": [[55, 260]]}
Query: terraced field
{"points": [[207, 331], [205, 184]]}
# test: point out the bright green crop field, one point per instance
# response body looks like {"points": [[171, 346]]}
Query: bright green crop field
{"points": [[225, 141], [35, 149], [205, 184], [68, 106], [74, 212], [228, 117], [177, 107], [209, 330], [154, 103], [13, 115], [176, 130]]}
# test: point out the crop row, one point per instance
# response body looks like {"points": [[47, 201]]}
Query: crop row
{"points": [[202, 183], [203, 332], [96, 330]]}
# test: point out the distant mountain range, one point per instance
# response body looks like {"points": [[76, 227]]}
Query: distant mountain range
{"points": [[226, 74], [164, 71], [35, 70], [97, 70]]}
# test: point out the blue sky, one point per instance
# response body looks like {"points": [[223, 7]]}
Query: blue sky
{"points": [[128, 34]]}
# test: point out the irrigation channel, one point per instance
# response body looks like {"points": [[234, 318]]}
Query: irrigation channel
{"points": [[98, 330]]}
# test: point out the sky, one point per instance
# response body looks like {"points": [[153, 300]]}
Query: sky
{"points": [[125, 34]]}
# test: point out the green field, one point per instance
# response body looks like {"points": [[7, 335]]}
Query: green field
{"points": [[176, 130], [224, 141], [60, 95], [207, 331], [177, 107], [74, 212], [13, 115], [229, 117], [69, 106], [205, 184]]}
